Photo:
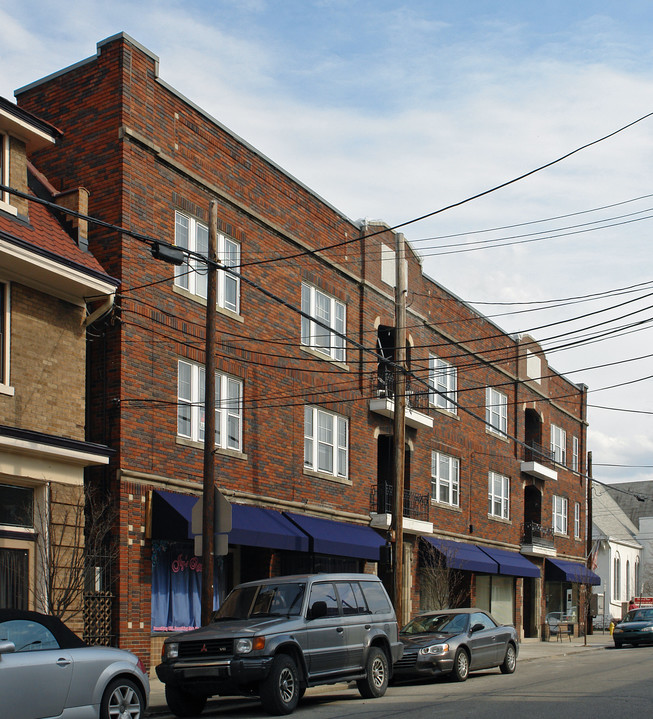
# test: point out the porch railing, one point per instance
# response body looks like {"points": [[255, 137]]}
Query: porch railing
{"points": [[416, 506], [537, 534]]}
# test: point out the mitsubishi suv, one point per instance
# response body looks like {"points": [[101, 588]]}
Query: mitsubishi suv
{"points": [[275, 637]]}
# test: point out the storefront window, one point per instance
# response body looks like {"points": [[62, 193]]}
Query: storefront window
{"points": [[495, 594], [177, 586]]}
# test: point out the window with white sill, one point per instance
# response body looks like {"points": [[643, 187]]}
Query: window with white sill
{"points": [[559, 445], [445, 479], [575, 454], [326, 442], [560, 515], [443, 381], [192, 235], [327, 337], [228, 406], [498, 495], [577, 520], [4, 333], [496, 411]]}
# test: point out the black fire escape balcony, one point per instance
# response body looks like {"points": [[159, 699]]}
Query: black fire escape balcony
{"points": [[537, 539], [538, 461], [382, 390], [416, 506]]}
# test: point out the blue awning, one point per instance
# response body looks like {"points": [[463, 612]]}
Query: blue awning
{"points": [[459, 555], [338, 538], [561, 570], [251, 526], [259, 527], [171, 515], [511, 563]]}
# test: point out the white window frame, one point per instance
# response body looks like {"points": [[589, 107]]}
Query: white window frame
{"points": [[576, 520], [443, 380], [228, 406], [331, 312], [5, 337], [193, 235], [575, 454], [616, 577], [326, 442], [496, 411], [388, 265], [498, 495], [445, 479], [559, 445], [5, 177], [559, 514]]}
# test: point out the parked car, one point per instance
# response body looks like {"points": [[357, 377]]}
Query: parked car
{"points": [[46, 670], [276, 637], [455, 642], [635, 628]]}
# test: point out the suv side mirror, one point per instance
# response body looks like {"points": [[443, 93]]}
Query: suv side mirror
{"points": [[477, 628], [317, 610]]}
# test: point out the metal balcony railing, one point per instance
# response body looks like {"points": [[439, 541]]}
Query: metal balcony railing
{"points": [[383, 385], [416, 506], [537, 535], [535, 452]]}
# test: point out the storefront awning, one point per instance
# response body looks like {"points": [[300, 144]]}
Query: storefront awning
{"points": [[561, 570], [259, 527], [251, 526], [467, 557], [511, 563], [339, 538], [171, 515]]}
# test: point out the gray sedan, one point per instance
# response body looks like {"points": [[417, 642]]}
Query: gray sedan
{"points": [[455, 642], [48, 671]]}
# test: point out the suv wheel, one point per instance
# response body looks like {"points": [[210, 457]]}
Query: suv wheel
{"points": [[280, 691], [184, 704], [376, 675]]}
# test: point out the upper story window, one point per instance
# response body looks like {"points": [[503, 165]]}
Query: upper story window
{"points": [[388, 265], [499, 495], [559, 444], [443, 378], [496, 410], [326, 442], [4, 172], [445, 479], [192, 276], [577, 520], [228, 406], [575, 454], [4, 334], [560, 515], [328, 340]]}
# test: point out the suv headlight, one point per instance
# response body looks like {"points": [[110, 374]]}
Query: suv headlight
{"points": [[170, 651], [647, 629], [435, 649], [245, 646]]}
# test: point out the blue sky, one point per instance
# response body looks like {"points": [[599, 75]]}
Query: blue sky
{"points": [[391, 110]]}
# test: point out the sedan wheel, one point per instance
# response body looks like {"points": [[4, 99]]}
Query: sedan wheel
{"points": [[460, 666], [509, 661], [122, 700]]}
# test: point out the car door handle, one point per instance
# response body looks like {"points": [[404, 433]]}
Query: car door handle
{"points": [[63, 662], [340, 630], [368, 626]]}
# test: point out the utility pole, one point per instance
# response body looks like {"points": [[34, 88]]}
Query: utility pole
{"points": [[399, 423], [208, 486], [588, 619]]}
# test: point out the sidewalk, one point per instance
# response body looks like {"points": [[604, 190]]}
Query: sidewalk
{"points": [[529, 650]]}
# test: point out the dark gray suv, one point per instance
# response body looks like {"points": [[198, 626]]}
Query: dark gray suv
{"points": [[276, 637]]}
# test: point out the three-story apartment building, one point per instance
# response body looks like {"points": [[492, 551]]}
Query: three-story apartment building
{"points": [[304, 444]]}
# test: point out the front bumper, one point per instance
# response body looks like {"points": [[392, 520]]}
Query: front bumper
{"points": [[215, 675], [423, 664]]}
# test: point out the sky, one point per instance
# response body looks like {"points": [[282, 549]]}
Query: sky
{"points": [[394, 110]]}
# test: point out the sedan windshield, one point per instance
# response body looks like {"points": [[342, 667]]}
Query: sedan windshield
{"points": [[446, 623], [639, 615], [264, 600]]}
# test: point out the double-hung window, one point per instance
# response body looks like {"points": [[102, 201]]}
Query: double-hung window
{"points": [[496, 410], [228, 407], [4, 174], [575, 454], [445, 479], [559, 515], [443, 379], [326, 442], [4, 334], [192, 275], [498, 495], [327, 337], [577, 520], [559, 445]]}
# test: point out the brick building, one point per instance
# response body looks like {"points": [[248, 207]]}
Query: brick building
{"points": [[50, 287], [495, 439]]}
